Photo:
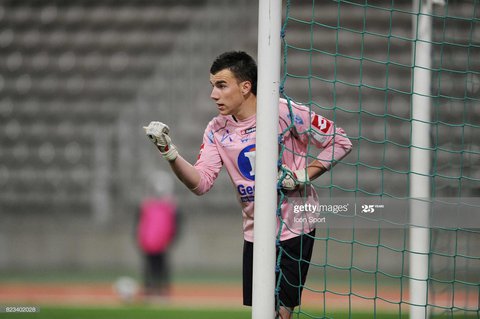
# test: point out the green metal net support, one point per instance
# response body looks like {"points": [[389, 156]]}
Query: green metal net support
{"points": [[352, 62]]}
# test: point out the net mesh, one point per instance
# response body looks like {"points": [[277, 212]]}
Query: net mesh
{"points": [[351, 61]]}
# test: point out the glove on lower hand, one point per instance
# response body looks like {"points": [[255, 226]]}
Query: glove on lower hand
{"points": [[290, 180]]}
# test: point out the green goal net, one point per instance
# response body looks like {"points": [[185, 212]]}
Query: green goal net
{"points": [[354, 63]]}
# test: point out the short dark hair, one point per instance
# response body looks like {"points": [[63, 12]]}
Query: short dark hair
{"points": [[242, 65]]}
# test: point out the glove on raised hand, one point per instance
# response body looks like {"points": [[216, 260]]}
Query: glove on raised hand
{"points": [[157, 132]]}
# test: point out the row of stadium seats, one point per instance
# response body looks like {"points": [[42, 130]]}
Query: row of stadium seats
{"points": [[69, 61], [84, 39], [44, 154], [54, 112], [31, 178], [98, 14], [75, 85]]}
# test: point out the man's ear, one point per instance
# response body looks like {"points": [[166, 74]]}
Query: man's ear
{"points": [[246, 87]]}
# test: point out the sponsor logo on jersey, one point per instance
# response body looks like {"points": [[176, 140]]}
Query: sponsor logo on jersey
{"points": [[248, 130], [321, 123], [226, 137], [246, 193], [246, 162], [297, 119]]}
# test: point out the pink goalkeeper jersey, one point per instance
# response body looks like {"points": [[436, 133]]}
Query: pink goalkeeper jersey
{"points": [[231, 143]]}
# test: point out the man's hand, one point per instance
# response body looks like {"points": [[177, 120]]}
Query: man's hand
{"points": [[290, 180], [157, 132]]}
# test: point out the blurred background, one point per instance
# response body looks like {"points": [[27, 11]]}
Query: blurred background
{"points": [[79, 79]]}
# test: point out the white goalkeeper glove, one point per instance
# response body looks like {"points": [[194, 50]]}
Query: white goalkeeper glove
{"points": [[290, 180], [157, 132]]}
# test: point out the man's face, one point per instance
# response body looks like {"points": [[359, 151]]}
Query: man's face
{"points": [[227, 92]]}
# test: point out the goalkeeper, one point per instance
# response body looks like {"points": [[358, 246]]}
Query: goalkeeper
{"points": [[229, 140]]}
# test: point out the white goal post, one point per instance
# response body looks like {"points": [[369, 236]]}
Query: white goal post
{"points": [[420, 159], [269, 48]]}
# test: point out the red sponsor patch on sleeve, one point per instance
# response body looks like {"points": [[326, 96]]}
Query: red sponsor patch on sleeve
{"points": [[321, 123]]}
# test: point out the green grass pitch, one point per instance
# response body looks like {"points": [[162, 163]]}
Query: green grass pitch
{"points": [[168, 312]]}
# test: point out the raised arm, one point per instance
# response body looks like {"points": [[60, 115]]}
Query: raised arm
{"points": [[186, 172]]}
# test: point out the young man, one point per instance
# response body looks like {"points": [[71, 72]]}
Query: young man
{"points": [[229, 140]]}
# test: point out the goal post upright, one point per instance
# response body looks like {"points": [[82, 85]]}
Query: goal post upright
{"points": [[420, 159], [269, 26]]}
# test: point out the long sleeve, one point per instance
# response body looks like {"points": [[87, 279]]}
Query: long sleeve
{"points": [[311, 128], [209, 162]]}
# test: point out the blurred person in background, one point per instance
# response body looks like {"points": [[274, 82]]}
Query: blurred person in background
{"points": [[156, 230]]}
